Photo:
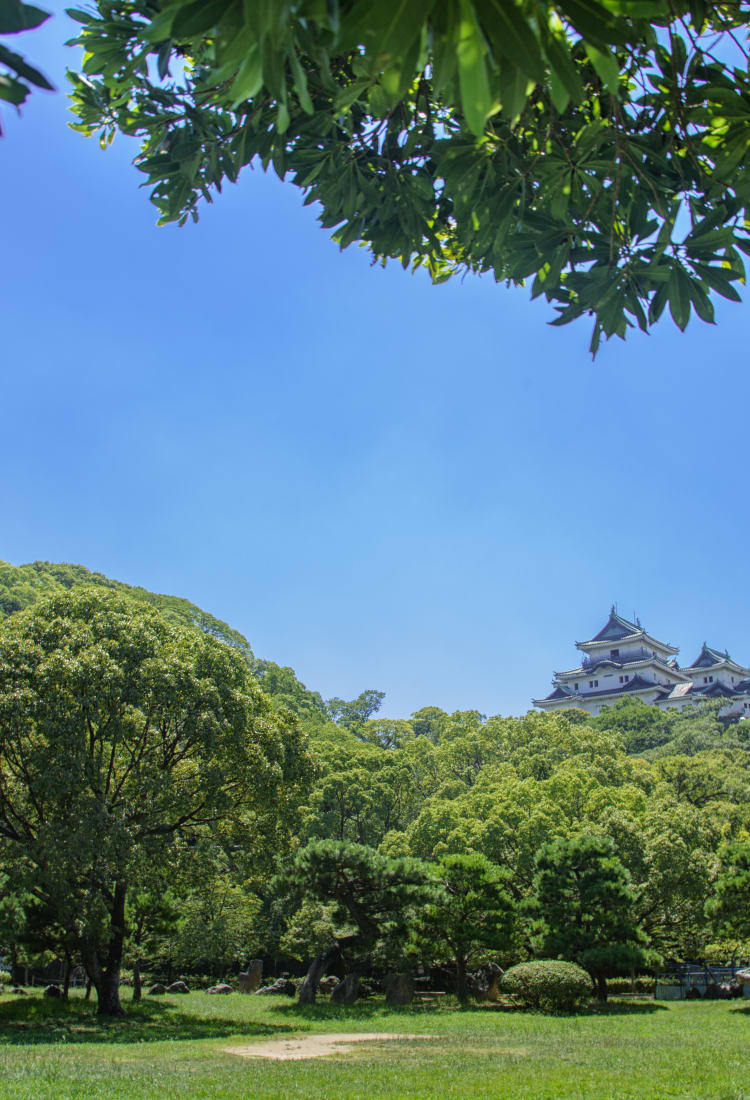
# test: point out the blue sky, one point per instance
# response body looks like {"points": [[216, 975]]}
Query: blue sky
{"points": [[424, 490]]}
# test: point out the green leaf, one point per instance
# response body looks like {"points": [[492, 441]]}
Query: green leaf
{"points": [[513, 90], [605, 65], [563, 71], [13, 91], [300, 83], [510, 36], [476, 97], [559, 94], [702, 303], [718, 279], [16, 17], [678, 290], [594, 23], [160, 27], [80, 16], [198, 17], [387, 30], [16, 62], [249, 79]]}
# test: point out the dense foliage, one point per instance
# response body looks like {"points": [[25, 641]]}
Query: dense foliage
{"points": [[548, 984], [450, 839], [585, 909], [600, 148], [122, 740]]}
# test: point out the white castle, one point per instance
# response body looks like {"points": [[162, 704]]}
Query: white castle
{"points": [[624, 661]]}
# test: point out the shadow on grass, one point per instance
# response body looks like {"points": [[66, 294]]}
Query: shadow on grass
{"points": [[609, 1008], [37, 1021], [360, 1010], [372, 1010], [625, 1008]]}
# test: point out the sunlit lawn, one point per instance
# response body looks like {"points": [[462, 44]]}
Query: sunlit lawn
{"points": [[173, 1047]]}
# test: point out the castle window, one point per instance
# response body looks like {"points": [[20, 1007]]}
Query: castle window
{"points": [[614, 653], [575, 687]]}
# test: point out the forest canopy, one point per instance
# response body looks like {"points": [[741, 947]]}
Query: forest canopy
{"points": [[484, 822]]}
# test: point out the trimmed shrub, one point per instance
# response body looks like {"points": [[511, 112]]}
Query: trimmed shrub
{"points": [[548, 984], [5, 978]]}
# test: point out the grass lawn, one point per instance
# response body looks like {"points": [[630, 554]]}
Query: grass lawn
{"points": [[172, 1048]]}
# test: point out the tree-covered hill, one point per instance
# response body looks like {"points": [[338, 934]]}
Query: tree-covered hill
{"points": [[22, 585]]}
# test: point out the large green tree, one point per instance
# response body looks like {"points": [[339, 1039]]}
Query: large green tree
{"points": [[120, 736], [729, 907], [372, 892], [583, 905], [469, 918], [598, 147]]}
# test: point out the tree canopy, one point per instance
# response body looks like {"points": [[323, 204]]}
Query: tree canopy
{"points": [[120, 739], [356, 819], [598, 147]]}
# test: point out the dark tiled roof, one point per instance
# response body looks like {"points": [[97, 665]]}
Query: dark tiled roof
{"points": [[743, 687], [560, 692], [709, 657], [615, 627], [637, 683], [715, 690]]}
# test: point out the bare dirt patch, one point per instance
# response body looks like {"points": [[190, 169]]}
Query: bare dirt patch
{"points": [[315, 1046]]}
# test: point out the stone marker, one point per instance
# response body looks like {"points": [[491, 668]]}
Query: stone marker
{"points": [[483, 984], [177, 987], [53, 991], [156, 990], [399, 989], [222, 987], [345, 993], [249, 980]]}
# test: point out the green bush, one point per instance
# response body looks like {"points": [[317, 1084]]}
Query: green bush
{"points": [[5, 978], [548, 985]]}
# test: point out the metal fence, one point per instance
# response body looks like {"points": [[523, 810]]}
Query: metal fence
{"points": [[673, 985]]}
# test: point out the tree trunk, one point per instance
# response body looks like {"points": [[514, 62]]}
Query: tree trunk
{"points": [[67, 967], [462, 988], [316, 970], [106, 979], [137, 979], [601, 987]]}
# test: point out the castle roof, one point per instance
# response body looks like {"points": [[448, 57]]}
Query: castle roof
{"points": [[709, 657], [616, 628], [635, 684], [619, 629]]}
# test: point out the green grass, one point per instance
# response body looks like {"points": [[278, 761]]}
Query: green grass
{"points": [[173, 1048]]}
